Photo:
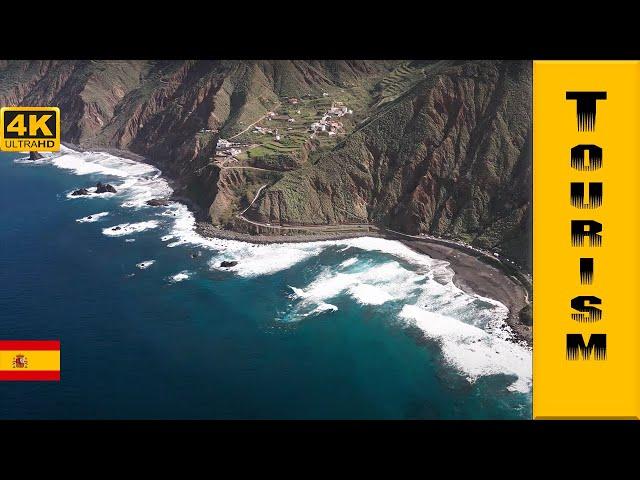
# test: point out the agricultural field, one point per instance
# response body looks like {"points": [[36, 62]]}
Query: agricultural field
{"points": [[293, 136], [278, 144]]}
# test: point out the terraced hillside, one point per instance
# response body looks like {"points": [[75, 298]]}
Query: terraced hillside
{"points": [[438, 147], [450, 156]]}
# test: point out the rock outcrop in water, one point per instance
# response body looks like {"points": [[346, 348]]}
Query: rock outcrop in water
{"points": [[433, 147], [80, 191], [105, 188], [157, 202]]}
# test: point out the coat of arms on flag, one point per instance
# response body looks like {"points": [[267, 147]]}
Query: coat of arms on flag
{"points": [[22, 360]]}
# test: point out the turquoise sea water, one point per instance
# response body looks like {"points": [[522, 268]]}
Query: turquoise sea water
{"points": [[357, 329]]}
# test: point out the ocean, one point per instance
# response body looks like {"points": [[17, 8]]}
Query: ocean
{"points": [[151, 326]]}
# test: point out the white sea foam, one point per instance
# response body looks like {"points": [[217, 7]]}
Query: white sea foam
{"points": [[129, 228], [374, 286], [179, 277], [348, 262], [85, 163], [129, 240], [470, 329], [145, 264], [472, 350], [297, 292], [265, 259], [324, 307], [92, 218], [369, 294]]}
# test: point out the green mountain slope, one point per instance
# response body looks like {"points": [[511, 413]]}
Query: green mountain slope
{"points": [[439, 147]]}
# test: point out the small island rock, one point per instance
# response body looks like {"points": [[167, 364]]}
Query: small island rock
{"points": [[104, 188], [157, 202]]}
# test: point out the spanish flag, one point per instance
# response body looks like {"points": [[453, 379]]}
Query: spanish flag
{"points": [[28, 360]]}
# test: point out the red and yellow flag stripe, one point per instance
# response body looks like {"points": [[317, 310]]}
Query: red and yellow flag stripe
{"points": [[24, 360]]}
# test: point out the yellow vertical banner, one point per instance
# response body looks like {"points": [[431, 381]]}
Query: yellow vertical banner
{"points": [[586, 269]]}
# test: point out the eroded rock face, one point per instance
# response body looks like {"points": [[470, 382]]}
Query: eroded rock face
{"points": [[227, 264]]}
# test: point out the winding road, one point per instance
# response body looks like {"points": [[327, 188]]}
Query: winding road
{"points": [[312, 228], [249, 127], [252, 202], [247, 167]]}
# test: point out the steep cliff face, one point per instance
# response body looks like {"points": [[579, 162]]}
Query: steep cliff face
{"points": [[435, 147], [449, 157]]}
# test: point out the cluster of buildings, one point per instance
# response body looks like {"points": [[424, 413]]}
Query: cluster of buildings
{"points": [[328, 123], [262, 130], [225, 148], [339, 109]]}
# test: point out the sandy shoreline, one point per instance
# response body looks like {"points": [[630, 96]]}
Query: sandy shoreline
{"points": [[475, 272]]}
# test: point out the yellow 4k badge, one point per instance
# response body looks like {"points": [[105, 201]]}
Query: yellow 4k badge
{"points": [[26, 129]]}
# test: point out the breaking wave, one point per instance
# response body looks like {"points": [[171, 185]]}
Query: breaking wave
{"points": [[472, 350], [92, 218], [129, 228], [180, 277], [146, 264]]}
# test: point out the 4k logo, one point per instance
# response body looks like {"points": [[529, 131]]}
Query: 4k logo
{"points": [[26, 129]]}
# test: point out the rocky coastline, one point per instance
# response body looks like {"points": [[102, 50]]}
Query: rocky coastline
{"points": [[474, 271]]}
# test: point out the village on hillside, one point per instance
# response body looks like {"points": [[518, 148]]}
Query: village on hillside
{"points": [[288, 128]]}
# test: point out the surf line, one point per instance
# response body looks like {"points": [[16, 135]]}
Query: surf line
{"points": [[586, 233]]}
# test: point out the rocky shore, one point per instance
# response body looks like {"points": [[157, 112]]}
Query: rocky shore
{"points": [[112, 151], [208, 230], [474, 273]]}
